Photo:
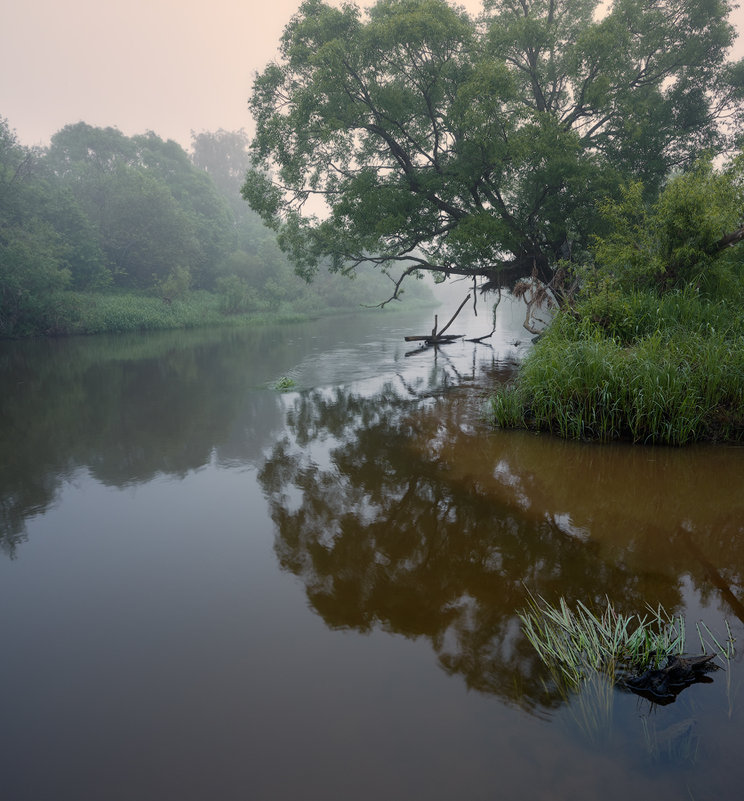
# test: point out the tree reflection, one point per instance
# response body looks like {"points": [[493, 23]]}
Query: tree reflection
{"points": [[404, 513], [127, 409]]}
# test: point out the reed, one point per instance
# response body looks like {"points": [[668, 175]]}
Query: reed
{"points": [[575, 644], [285, 384]]}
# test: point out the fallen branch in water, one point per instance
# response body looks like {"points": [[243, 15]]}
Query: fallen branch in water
{"points": [[439, 337]]}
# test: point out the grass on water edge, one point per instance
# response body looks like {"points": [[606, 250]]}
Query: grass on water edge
{"points": [[576, 644], [72, 313], [590, 654], [672, 377]]}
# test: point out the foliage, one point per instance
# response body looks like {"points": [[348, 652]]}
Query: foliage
{"points": [[677, 240], [122, 312], [100, 210], [176, 285], [590, 653], [151, 208], [670, 387], [235, 295], [576, 642], [33, 253], [224, 156], [285, 384], [417, 136], [653, 351]]}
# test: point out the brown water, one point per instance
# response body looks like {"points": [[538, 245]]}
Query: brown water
{"points": [[211, 590]]}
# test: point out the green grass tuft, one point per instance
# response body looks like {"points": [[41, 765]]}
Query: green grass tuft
{"points": [[576, 644], [667, 376], [285, 384]]}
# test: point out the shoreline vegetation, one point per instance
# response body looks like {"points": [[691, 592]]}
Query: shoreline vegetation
{"points": [[104, 233], [651, 348], [73, 313], [555, 150], [680, 381]]}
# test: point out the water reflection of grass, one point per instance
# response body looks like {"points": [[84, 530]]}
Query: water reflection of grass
{"points": [[673, 743], [592, 657]]}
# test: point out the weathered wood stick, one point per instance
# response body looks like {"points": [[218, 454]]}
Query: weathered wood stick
{"points": [[445, 340], [430, 338], [459, 309]]}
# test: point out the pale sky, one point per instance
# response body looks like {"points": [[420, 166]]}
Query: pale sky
{"points": [[169, 66]]}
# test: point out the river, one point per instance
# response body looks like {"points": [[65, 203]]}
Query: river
{"points": [[211, 589]]}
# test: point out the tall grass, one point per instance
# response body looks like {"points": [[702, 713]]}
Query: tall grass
{"points": [[577, 643], [125, 312], [670, 376], [120, 312]]}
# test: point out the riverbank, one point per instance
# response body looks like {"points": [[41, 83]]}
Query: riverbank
{"points": [[81, 313], [638, 367]]}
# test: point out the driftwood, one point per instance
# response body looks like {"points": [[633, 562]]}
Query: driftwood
{"points": [[663, 685], [435, 340], [439, 337]]}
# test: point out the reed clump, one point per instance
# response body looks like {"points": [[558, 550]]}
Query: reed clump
{"points": [[577, 644]]}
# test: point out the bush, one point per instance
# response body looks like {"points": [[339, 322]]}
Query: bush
{"points": [[176, 285]]}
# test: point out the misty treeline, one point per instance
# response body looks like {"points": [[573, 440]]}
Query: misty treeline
{"points": [[98, 213]]}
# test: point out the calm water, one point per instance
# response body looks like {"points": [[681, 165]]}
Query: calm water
{"points": [[211, 590]]}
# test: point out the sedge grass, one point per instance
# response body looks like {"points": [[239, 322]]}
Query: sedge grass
{"points": [[575, 644], [667, 389]]}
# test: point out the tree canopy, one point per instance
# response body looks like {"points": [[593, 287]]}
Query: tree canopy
{"points": [[102, 213], [415, 135], [153, 210]]}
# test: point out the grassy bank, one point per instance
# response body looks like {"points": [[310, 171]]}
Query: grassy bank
{"points": [[638, 367], [70, 313]]}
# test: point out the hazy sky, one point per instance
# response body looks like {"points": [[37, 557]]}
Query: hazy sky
{"points": [[169, 66]]}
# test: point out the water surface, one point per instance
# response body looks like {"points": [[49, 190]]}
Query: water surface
{"points": [[213, 590]]}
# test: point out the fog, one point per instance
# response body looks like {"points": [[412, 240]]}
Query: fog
{"points": [[160, 65]]}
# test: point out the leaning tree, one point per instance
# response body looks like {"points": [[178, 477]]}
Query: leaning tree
{"points": [[413, 135]]}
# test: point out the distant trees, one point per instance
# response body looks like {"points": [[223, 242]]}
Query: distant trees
{"points": [[99, 210], [46, 241], [153, 210]]}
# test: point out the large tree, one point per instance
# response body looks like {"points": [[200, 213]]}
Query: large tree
{"points": [[413, 135]]}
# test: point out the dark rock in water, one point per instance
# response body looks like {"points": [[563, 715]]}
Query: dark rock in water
{"points": [[663, 685]]}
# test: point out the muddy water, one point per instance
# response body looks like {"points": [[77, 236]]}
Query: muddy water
{"points": [[214, 590]]}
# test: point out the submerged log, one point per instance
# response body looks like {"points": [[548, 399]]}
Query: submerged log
{"points": [[436, 339]]}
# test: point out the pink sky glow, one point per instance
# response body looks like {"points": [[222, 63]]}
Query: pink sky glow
{"points": [[170, 66]]}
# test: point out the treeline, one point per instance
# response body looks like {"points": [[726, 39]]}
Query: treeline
{"points": [[102, 231]]}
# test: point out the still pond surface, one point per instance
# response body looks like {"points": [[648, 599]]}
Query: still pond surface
{"points": [[212, 590]]}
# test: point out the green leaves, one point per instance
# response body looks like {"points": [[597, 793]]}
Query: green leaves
{"points": [[399, 131], [150, 208], [676, 241]]}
